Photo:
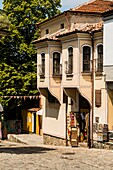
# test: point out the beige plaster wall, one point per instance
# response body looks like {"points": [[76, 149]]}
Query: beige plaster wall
{"points": [[53, 121], [53, 26]]}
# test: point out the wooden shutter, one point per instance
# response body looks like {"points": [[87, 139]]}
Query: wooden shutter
{"points": [[98, 98]]}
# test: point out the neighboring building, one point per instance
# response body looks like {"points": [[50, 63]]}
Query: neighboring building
{"points": [[108, 63], [32, 120], [70, 71]]}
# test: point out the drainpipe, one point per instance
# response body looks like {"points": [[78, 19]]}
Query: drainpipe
{"points": [[66, 120], [93, 91], [66, 110]]}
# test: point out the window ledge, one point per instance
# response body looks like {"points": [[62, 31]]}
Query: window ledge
{"points": [[57, 76], [69, 74], [86, 73], [42, 76], [99, 73]]}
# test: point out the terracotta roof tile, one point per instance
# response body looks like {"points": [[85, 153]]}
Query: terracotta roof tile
{"points": [[49, 37], [98, 6], [85, 28], [78, 28]]}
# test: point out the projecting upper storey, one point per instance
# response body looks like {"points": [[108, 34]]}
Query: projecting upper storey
{"points": [[75, 19]]}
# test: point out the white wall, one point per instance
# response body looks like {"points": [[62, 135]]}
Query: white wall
{"points": [[108, 42], [52, 124]]}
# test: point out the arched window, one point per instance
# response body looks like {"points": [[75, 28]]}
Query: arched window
{"points": [[56, 63], [69, 63], [42, 65], [86, 58], [100, 58]]}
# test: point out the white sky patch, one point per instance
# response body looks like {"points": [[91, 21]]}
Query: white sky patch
{"points": [[67, 4]]}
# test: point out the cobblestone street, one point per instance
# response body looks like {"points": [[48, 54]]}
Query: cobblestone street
{"points": [[15, 156]]}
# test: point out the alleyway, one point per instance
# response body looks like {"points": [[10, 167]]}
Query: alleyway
{"points": [[17, 156]]}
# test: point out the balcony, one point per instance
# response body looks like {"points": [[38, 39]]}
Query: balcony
{"points": [[57, 70]]}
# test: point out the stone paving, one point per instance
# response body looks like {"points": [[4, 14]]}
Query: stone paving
{"points": [[18, 156]]}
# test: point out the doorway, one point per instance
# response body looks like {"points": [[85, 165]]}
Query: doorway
{"points": [[84, 120]]}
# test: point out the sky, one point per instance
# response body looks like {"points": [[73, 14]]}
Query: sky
{"points": [[66, 4]]}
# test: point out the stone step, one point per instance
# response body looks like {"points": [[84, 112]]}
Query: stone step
{"points": [[28, 139]]}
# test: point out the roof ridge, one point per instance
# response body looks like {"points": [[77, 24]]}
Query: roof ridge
{"points": [[85, 3], [97, 6]]}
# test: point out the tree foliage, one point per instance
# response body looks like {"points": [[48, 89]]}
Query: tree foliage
{"points": [[4, 22], [17, 53]]}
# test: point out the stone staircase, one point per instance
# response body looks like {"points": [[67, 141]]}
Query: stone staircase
{"points": [[28, 139]]}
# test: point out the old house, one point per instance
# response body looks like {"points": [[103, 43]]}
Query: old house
{"points": [[70, 73]]}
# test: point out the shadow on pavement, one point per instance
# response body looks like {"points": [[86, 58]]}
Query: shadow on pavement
{"points": [[25, 150]]}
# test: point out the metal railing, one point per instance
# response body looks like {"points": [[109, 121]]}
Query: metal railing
{"points": [[57, 70], [69, 68], [41, 70], [99, 65]]}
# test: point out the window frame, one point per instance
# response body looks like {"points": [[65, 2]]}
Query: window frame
{"points": [[47, 31], [69, 62], [42, 65], [57, 70], [62, 26], [90, 59], [98, 59]]}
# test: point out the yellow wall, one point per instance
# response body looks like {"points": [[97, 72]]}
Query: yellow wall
{"points": [[110, 110], [27, 121], [38, 124]]}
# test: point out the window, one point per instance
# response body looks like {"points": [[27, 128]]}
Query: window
{"points": [[56, 64], [62, 26], [47, 31], [100, 58], [42, 65], [69, 63], [86, 58]]}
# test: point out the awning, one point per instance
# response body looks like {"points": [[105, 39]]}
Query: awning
{"points": [[39, 112], [34, 109]]}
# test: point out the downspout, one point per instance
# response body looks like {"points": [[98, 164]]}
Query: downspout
{"points": [[93, 83], [66, 110], [66, 120]]}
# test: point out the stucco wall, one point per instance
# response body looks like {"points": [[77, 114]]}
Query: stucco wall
{"points": [[53, 119], [108, 42]]}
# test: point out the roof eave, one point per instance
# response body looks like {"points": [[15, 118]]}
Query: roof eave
{"points": [[46, 39], [80, 31]]}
